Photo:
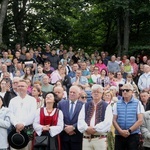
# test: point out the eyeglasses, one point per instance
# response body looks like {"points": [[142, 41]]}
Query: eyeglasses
{"points": [[84, 97], [127, 90]]}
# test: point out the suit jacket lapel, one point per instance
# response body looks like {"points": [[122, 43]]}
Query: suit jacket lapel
{"points": [[67, 109]]}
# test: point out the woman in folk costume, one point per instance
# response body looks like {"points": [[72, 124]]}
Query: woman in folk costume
{"points": [[49, 121]]}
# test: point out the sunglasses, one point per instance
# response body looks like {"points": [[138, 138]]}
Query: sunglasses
{"points": [[127, 90], [83, 97]]}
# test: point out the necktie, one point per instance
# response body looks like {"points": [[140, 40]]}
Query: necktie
{"points": [[71, 110]]}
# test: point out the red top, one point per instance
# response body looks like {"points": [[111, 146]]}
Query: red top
{"points": [[48, 120]]}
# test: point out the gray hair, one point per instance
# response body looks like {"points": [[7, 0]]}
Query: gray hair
{"points": [[16, 78], [96, 87], [113, 88], [132, 57], [128, 86]]}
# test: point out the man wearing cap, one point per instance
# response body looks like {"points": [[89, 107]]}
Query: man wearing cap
{"points": [[95, 120], [127, 118], [22, 109]]}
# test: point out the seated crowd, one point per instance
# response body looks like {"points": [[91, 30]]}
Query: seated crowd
{"points": [[79, 101]]}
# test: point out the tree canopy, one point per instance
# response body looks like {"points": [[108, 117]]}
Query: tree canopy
{"points": [[112, 25]]}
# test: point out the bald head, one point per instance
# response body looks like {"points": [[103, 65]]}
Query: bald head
{"points": [[146, 68], [59, 91]]}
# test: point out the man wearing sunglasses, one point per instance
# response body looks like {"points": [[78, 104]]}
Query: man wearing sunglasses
{"points": [[127, 118]]}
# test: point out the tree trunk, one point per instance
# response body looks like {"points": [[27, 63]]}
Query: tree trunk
{"points": [[19, 12], [3, 11], [118, 37], [126, 32]]}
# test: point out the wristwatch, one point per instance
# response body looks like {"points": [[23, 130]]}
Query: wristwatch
{"points": [[129, 131]]}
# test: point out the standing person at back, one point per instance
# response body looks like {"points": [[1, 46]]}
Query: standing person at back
{"points": [[11, 92], [113, 66], [22, 109], [71, 138], [144, 80], [59, 91], [128, 116]]}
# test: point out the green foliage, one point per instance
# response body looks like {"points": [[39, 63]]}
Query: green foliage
{"points": [[88, 24]]}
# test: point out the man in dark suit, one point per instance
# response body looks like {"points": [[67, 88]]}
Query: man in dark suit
{"points": [[71, 138], [11, 93]]}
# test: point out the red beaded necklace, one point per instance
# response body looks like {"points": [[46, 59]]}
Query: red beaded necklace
{"points": [[49, 112]]}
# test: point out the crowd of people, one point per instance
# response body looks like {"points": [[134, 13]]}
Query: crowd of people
{"points": [[79, 101]]}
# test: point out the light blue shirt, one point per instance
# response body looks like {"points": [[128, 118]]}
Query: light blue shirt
{"points": [[83, 80]]}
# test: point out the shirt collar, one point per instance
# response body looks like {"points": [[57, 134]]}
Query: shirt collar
{"points": [[74, 102]]}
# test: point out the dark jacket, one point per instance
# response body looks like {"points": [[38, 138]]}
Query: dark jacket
{"points": [[67, 83], [64, 107], [8, 96], [54, 59]]}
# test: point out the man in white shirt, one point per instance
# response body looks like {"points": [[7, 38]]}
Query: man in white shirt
{"points": [[95, 120], [144, 80], [22, 109]]}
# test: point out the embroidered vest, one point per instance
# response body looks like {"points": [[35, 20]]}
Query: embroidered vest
{"points": [[100, 112]]}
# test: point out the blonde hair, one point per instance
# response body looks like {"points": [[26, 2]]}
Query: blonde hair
{"points": [[108, 91]]}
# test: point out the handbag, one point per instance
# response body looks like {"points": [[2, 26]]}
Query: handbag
{"points": [[41, 141]]}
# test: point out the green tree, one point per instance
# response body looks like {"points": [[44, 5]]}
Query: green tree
{"points": [[3, 11]]}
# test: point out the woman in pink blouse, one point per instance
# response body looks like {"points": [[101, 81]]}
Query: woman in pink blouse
{"points": [[100, 65]]}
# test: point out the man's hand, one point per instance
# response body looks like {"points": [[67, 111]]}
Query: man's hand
{"points": [[19, 127], [1, 103], [69, 129], [7, 87], [124, 133], [90, 130], [72, 133]]}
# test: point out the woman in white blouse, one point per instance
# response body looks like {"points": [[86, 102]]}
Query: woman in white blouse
{"points": [[49, 120]]}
